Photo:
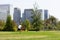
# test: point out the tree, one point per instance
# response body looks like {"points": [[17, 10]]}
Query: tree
{"points": [[50, 24], [53, 22], [58, 25], [8, 26], [26, 24], [47, 25], [36, 18], [14, 26], [2, 24]]}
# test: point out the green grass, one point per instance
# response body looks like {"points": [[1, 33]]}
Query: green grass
{"points": [[30, 35]]}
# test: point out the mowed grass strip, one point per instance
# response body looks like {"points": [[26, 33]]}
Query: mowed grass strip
{"points": [[30, 35]]}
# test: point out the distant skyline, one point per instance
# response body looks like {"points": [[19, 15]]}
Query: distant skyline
{"points": [[52, 5]]}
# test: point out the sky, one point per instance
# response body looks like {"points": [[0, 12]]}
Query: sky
{"points": [[52, 5]]}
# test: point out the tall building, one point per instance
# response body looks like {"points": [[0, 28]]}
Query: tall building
{"points": [[45, 14], [17, 16], [23, 17], [4, 11], [41, 11], [28, 13]]}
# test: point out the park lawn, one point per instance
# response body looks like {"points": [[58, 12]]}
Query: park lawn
{"points": [[30, 35]]}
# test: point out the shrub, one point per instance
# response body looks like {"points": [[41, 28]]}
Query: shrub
{"points": [[14, 26]]}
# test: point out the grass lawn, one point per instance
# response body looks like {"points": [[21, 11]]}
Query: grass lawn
{"points": [[31, 35]]}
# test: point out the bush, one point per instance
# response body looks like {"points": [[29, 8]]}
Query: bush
{"points": [[26, 24], [2, 24], [14, 26], [10, 25]]}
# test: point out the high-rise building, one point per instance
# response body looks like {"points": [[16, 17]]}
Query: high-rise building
{"points": [[23, 17], [4, 11], [41, 11], [45, 14], [28, 13], [17, 16]]}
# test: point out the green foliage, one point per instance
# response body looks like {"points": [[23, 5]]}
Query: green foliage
{"points": [[36, 19], [50, 24], [53, 22], [58, 25], [14, 26], [27, 25], [42, 25], [2, 24], [8, 26]]}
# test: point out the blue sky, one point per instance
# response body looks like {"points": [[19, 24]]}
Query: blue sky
{"points": [[52, 5]]}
